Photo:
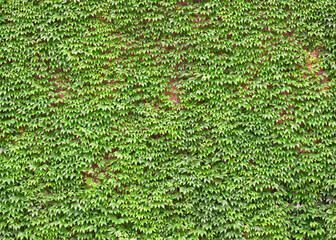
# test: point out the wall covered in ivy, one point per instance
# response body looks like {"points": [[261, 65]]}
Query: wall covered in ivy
{"points": [[143, 119]]}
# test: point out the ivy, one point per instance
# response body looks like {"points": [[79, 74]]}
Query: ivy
{"points": [[185, 119]]}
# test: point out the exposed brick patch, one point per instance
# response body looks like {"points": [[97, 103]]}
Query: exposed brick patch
{"points": [[172, 92], [94, 176], [301, 150], [313, 59], [182, 3]]}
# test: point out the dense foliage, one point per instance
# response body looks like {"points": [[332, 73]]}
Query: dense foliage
{"points": [[143, 119]]}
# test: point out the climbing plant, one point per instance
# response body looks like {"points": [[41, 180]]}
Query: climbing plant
{"points": [[143, 119]]}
